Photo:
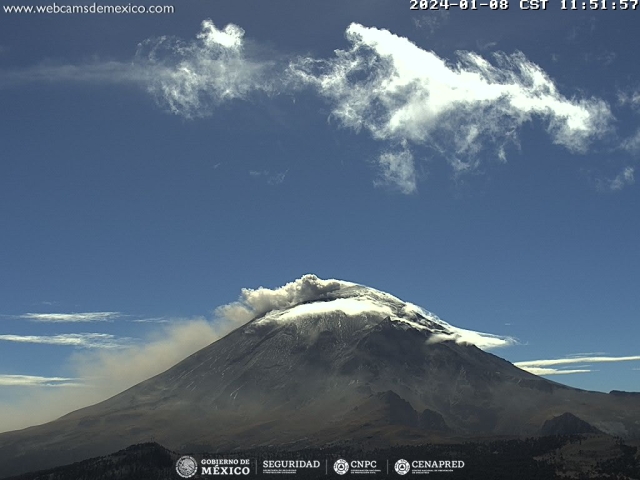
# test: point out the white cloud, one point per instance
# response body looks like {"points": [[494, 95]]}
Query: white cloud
{"points": [[571, 360], [467, 111], [553, 371], [541, 367], [96, 72], [397, 169], [629, 97], [484, 341], [587, 354], [272, 178], [399, 92], [192, 78], [623, 179], [486, 45], [152, 320], [632, 144], [254, 303], [35, 381], [431, 23], [72, 317], [82, 340], [277, 178], [603, 57]]}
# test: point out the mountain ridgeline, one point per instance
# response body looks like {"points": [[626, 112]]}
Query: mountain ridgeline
{"points": [[325, 364]]}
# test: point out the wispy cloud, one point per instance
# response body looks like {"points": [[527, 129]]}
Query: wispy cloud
{"points": [[152, 320], [36, 381], [271, 178], [398, 92], [625, 178], [468, 110], [86, 317], [397, 169], [72, 317], [112, 72], [192, 78], [629, 97], [602, 57], [632, 144], [431, 23], [81, 340], [543, 367], [586, 354], [188, 78], [554, 371]]}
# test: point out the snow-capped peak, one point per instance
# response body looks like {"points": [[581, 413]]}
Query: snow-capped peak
{"points": [[312, 296]]}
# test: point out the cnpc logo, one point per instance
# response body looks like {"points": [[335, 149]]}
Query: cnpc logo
{"points": [[341, 466]]}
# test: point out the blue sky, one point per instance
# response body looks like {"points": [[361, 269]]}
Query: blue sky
{"points": [[479, 164]]}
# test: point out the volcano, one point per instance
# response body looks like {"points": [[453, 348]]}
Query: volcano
{"points": [[324, 363]]}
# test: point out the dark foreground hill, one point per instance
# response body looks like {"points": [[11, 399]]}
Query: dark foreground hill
{"points": [[137, 462], [542, 458], [326, 363]]}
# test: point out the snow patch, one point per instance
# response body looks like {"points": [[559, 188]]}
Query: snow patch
{"points": [[348, 306]]}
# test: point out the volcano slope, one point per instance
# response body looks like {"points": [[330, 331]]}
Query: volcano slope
{"points": [[323, 362]]}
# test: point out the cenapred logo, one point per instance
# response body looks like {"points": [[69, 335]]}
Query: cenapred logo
{"points": [[341, 466], [186, 466], [402, 467]]}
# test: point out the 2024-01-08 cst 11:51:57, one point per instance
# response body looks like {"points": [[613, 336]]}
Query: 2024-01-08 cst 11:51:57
{"points": [[462, 4], [524, 4]]}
